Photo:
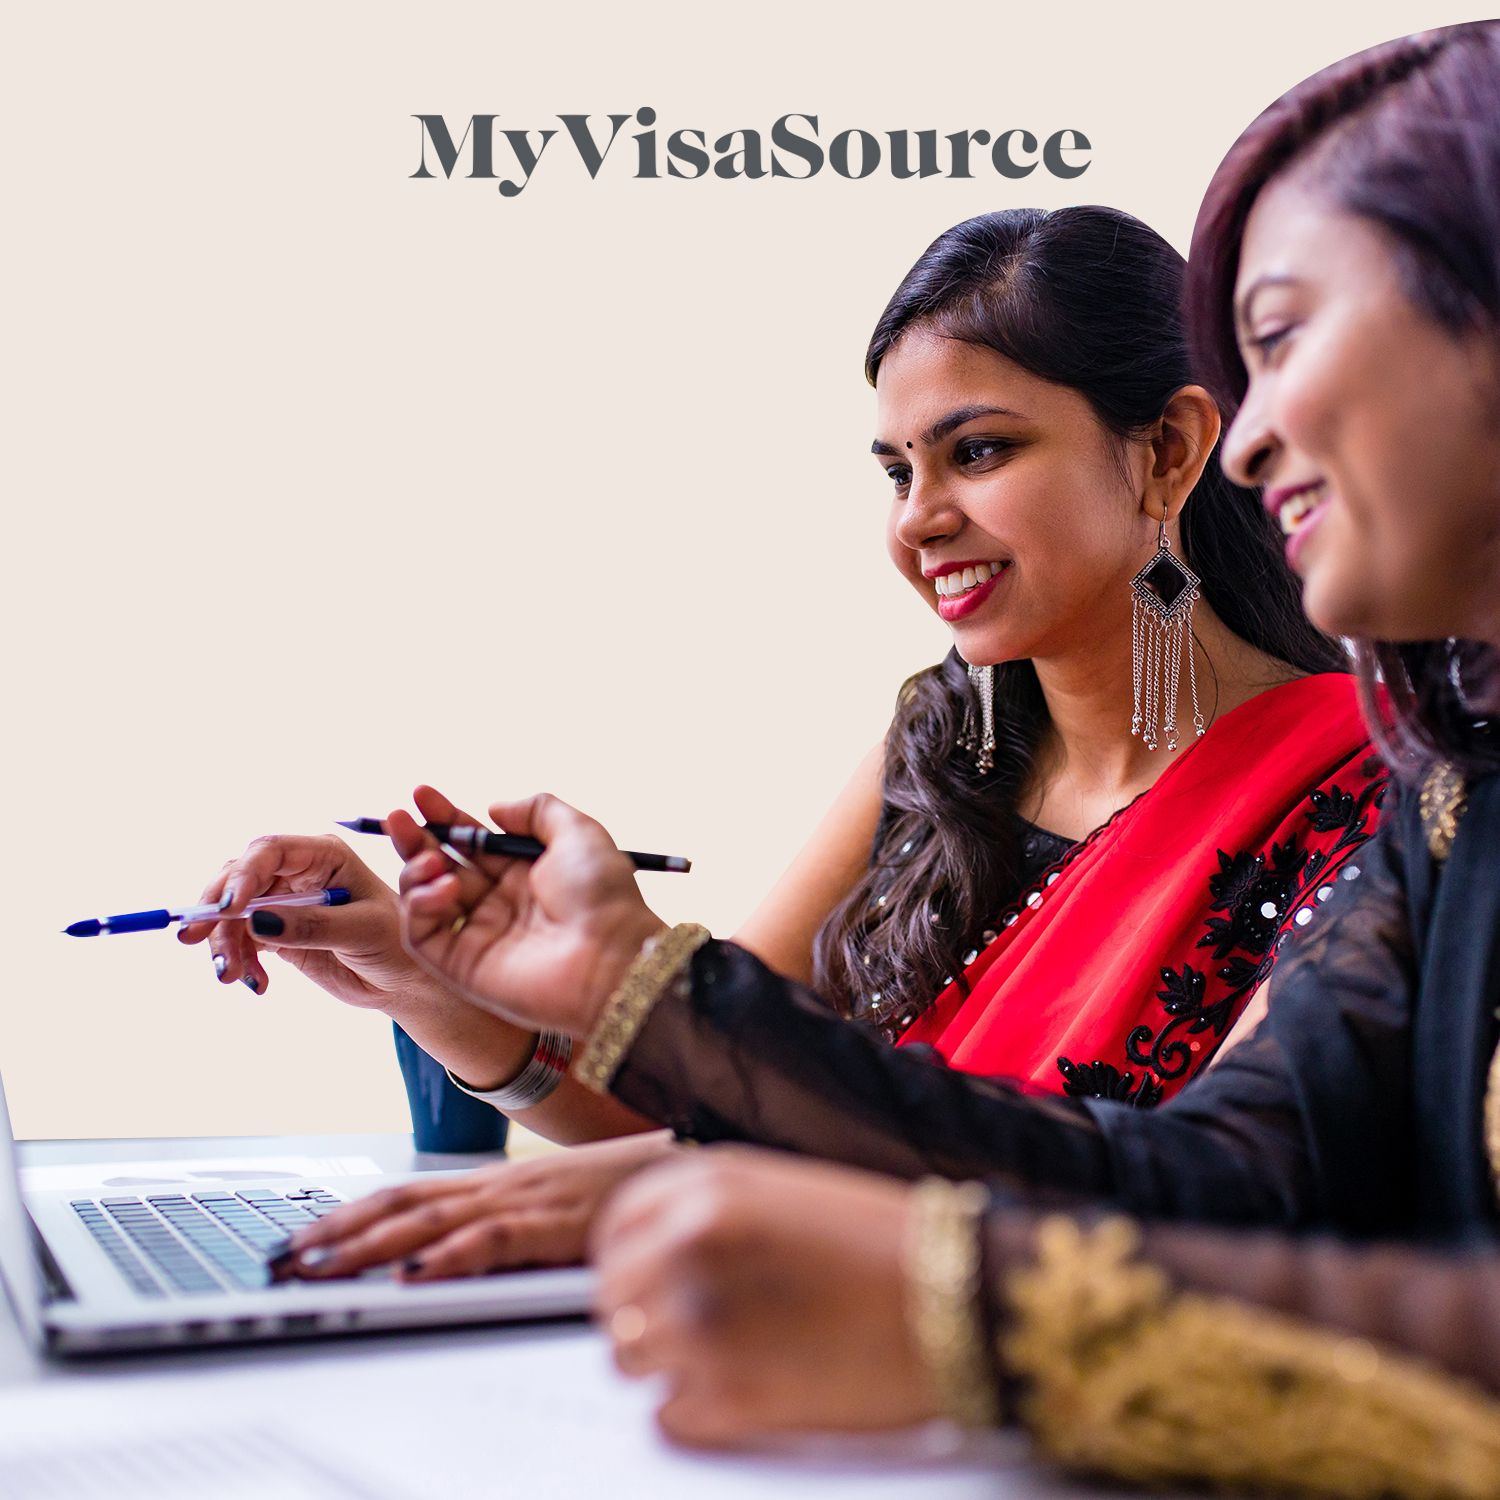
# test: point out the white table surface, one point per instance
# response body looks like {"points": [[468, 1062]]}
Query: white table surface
{"points": [[532, 1410]]}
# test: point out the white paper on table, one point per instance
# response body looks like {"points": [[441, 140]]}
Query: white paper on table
{"points": [[238, 1462], [130, 1176], [536, 1413]]}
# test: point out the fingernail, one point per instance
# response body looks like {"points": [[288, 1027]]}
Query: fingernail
{"points": [[220, 964], [251, 983], [312, 1259], [266, 924], [226, 898]]}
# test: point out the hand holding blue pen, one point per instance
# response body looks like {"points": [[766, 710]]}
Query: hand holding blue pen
{"points": [[163, 916], [353, 952]]}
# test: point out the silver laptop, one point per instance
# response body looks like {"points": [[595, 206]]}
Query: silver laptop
{"points": [[93, 1274]]}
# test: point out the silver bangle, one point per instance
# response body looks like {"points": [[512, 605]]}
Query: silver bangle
{"points": [[545, 1069]]}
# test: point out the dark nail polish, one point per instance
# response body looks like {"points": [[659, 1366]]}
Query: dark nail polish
{"points": [[251, 983], [220, 964], [266, 924], [412, 1266]]}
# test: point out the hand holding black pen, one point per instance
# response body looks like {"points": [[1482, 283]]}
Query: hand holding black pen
{"points": [[542, 942], [468, 838]]}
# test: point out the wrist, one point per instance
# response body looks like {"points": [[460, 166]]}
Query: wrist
{"points": [[537, 1079], [945, 1326], [661, 966], [496, 1070], [616, 954], [482, 1058], [418, 1004]]}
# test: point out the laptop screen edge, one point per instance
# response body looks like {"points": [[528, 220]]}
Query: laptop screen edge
{"points": [[18, 1265]]}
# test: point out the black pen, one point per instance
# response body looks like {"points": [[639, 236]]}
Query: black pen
{"points": [[468, 839]]}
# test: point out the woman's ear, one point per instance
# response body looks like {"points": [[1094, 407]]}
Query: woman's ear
{"points": [[1180, 449]]}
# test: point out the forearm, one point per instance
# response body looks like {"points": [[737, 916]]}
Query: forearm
{"points": [[1443, 1308], [734, 1052], [480, 1048], [573, 1115], [1171, 1354], [731, 1051]]}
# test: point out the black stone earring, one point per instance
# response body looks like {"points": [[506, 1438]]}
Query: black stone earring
{"points": [[1161, 629]]}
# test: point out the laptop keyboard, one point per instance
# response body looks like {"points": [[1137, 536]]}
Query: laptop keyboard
{"points": [[167, 1244]]}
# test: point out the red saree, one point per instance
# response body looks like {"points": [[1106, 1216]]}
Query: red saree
{"points": [[1119, 973]]}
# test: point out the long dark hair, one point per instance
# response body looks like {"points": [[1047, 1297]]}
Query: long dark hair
{"points": [[1408, 137], [1088, 298]]}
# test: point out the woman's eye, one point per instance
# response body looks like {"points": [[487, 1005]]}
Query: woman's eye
{"points": [[976, 450], [900, 475], [1266, 344]]}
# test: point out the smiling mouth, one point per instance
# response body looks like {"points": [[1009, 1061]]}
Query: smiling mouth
{"points": [[1300, 509], [956, 585]]}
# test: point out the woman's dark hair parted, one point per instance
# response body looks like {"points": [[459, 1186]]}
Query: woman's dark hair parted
{"points": [[1089, 298], [1407, 137]]}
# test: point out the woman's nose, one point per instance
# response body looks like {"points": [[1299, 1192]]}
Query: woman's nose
{"points": [[1250, 444], [928, 516]]}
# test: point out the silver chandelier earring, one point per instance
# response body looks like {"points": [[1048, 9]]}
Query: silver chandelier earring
{"points": [[980, 743], [1161, 629]]}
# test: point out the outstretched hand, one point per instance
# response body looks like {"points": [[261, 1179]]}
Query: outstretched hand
{"points": [[542, 943]]}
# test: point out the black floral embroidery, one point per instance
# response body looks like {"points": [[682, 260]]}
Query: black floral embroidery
{"points": [[1254, 898], [1102, 1080]]}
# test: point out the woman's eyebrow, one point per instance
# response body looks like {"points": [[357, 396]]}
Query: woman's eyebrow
{"points": [[950, 423], [1248, 296]]}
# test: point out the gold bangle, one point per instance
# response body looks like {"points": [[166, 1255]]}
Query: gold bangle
{"points": [[942, 1263], [1126, 1378], [624, 1013]]}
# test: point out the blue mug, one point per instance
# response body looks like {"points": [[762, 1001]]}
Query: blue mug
{"points": [[444, 1118]]}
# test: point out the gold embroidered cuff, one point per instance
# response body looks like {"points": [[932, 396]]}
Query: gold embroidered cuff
{"points": [[942, 1263], [1492, 1120], [1441, 805], [1125, 1377], [655, 967]]}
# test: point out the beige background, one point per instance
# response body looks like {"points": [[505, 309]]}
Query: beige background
{"points": [[322, 481]]}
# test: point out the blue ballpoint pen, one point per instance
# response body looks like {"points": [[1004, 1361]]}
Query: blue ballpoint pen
{"points": [[154, 921]]}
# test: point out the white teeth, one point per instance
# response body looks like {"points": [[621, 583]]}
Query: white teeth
{"points": [[1298, 508], [949, 584]]}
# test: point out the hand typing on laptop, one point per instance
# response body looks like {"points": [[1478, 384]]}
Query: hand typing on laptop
{"points": [[497, 1218]]}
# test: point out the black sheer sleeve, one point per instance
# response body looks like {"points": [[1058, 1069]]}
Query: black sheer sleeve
{"points": [[1171, 1353], [1324, 1083], [739, 1053], [1441, 1306]]}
